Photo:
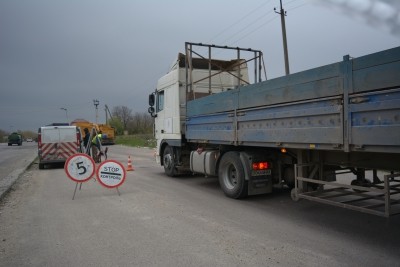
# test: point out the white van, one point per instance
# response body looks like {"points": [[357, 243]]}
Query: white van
{"points": [[57, 143]]}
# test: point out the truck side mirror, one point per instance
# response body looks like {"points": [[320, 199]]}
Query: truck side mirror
{"points": [[151, 99], [151, 110]]}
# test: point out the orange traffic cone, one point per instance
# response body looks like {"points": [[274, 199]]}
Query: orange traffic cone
{"points": [[130, 167]]}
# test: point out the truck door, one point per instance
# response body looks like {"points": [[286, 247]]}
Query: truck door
{"points": [[68, 142], [58, 143], [49, 141], [159, 121]]}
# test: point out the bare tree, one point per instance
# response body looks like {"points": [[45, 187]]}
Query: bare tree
{"points": [[148, 122], [142, 123], [124, 114], [2, 136]]}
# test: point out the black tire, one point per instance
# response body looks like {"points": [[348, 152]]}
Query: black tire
{"points": [[363, 183], [294, 194], [169, 162], [231, 176], [41, 166], [288, 174]]}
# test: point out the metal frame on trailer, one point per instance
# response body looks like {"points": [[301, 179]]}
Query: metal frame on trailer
{"points": [[378, 199], [189, 51]]}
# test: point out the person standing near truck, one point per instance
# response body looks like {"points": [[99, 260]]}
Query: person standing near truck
{"points": [[86, 139], [96, 146]]}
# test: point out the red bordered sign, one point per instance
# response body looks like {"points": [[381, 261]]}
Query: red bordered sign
{"points": [[111, 173], [79, 167]]}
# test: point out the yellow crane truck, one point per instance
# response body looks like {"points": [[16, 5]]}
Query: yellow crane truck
{"points": [[108, 131]]}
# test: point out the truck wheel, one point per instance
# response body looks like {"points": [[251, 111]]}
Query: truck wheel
{"points": [[169, 162], [294, 194], [288, 174], [363, 183], [41, 166], [231, 176]]}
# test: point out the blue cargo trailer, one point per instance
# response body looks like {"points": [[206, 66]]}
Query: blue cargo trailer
{"points": [[303, 130]]}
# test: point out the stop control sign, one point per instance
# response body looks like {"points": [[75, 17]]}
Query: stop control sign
{"points": [[111, 173]]}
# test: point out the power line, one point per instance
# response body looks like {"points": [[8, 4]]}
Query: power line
{"points": [[296, 7], [254, 22], [237, 22], [290, 2], [256, 29], [248, 26]]}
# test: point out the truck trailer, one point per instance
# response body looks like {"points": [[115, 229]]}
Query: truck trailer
{"points": [[331, 134]]}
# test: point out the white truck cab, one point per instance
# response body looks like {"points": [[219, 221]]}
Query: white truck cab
{"points": [[168, 102]]}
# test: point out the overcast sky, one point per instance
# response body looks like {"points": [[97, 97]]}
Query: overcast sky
{"points": [[64, 53]]}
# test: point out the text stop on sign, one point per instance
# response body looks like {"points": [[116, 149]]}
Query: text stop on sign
{"points": [[111, 173]]}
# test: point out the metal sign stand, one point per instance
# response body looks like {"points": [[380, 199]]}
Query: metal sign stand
{"points": [[111, 174], [76, 186], [79, 168]]}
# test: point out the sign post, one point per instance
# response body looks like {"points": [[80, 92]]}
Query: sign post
{"points": [[79, 168], [111, 174]]}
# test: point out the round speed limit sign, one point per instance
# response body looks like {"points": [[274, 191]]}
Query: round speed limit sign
{"points": [[79, 167]]}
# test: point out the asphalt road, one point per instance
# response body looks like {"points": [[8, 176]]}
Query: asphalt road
{"points": [[13, 162], [184, 221]]}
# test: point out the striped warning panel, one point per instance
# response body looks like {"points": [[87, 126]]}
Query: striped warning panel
{"points": [[57, 151]]}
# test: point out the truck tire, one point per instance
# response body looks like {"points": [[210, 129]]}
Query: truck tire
{"points": [[294, 194], [169, 162], [41, 166], [231, 175]]}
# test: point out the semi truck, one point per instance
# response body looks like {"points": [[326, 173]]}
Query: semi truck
{"points": [[330, 134]]}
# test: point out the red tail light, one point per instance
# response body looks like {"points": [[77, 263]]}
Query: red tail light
{"points": [[260, 166], [39, 139]]}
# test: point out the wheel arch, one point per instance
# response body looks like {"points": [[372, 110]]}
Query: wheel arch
{"points": [[168, 142], [232, 175], [242, 159]]}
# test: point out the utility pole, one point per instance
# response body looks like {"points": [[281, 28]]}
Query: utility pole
{"points": [[66, 112], [285, 49], [105, 109], [96, 103], [109, 113]]}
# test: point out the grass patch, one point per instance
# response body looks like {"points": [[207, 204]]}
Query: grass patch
{"points": [[137, 140]]}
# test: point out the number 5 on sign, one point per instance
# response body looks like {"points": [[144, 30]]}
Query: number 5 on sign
{"points": [[79, 167]]}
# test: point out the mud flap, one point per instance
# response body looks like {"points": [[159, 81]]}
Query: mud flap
{"points": [[257, 183]]}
